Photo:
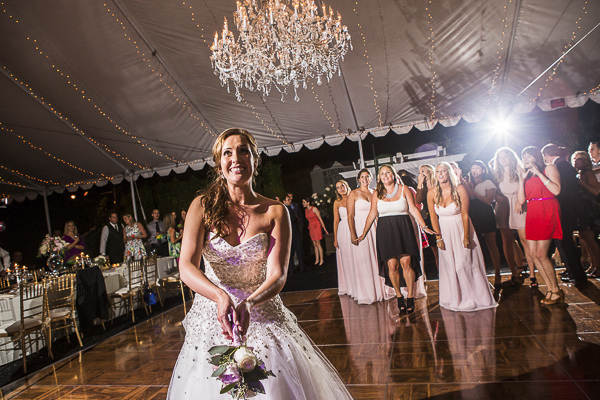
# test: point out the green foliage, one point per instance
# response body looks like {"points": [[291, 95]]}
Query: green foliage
{"points": [[269, 181]]}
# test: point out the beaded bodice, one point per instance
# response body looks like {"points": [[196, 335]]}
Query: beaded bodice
{"points": [[239, 270]]}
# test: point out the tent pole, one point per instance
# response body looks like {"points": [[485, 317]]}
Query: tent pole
{"points": [[135, 216], [510, 46], [47, 213], [360, 149]]}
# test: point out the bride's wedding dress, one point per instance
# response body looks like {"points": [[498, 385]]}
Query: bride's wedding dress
{"points": [[302, 371]]}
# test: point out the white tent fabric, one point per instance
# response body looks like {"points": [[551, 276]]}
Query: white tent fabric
{"points": [[96, 91]]}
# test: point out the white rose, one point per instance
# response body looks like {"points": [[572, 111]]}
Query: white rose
{"points": [[43, 249], [245, 359]]}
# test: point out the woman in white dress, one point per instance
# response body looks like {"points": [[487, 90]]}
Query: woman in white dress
{"points": [[463, 281], [245, 240]]}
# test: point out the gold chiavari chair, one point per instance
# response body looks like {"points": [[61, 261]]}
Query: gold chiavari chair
{"points": [[134, 288], [173, 283], [151, 276], [4, 284], [59, 304], [33, 319]]}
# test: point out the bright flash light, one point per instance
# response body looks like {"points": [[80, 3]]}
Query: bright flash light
{"points": [[502, 127]]}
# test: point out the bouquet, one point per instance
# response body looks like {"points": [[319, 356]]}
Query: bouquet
{"points": [[160, 236], [238, 368], [51, 244], [324, 201]]}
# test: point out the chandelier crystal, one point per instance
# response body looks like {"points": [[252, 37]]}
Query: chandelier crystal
{"points": [[280, 43]]}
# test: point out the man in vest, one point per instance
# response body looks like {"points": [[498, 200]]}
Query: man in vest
{"points": [[111, 240]]}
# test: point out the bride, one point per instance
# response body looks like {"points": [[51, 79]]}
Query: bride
{"points": [[245, 241]]}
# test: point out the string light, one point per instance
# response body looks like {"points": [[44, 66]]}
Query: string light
{"points": [[567, 47], [69, 123], [46, 153], [14, 171], [370, 73], [11, 184], [322, 107], [431, 67], [147, 63], [499, 54], [283, 140]]}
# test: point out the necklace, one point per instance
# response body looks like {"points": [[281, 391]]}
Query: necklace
{"points": [[389, 196]]}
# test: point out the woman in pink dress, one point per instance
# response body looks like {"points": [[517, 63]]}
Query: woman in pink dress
{"points": [[315, 223], [369, 286], [463, 282], [341, 232]]}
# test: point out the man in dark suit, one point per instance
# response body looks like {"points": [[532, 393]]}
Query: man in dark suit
{"points": [[111, 239], [156, 227], [299, 216], [296, 249], [571, 209]]}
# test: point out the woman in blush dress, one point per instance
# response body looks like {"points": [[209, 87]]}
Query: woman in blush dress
{"points": [[370, 287], [506, 173], [424, 185], [315, 223], [397, 247], [341, 232], [463, 282], [542, 224], [244, 239]]}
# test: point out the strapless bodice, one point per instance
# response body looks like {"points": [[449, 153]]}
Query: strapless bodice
{"points": [[343, 212], [362, 205]]}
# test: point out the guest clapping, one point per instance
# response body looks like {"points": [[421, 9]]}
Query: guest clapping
{"points": [[463, 281], [315, 223], [539, 185]]}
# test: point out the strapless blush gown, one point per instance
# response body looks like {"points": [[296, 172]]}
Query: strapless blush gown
{"points": [[302, 371], [343, 255], [463, 281]]}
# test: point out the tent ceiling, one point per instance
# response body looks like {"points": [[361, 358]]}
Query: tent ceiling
{"points": [[93, 90]]}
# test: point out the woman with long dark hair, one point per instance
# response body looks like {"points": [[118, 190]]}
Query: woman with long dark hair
{"points": [[315, 224], [539, 185], [397, 247], [245, 241], [481, 190]]}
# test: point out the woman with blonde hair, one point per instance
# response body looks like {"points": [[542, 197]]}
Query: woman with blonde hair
{"points": [[132, 236], [424, 185], [74, 245], [463, 281], [343, 246], [244, 239], [506, 173], [397, 247]]}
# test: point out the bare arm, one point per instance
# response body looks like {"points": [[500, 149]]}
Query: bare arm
{"points": [[318, 214], [551, 172], [435, 222], [142, 231], [277, 265], [589, 182], [189, 266], [336, 221], [414, 211], [350, 206], [124, 234], [370, 218], [173, 236], [464, 213]]}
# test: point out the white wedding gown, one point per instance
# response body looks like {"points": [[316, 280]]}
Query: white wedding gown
{"points": [[302, 371]]}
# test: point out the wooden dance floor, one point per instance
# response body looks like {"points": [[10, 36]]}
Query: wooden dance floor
{"points": [[520, 350]]}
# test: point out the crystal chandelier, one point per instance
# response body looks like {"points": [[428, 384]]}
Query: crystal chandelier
{"points": [[280, 43]]}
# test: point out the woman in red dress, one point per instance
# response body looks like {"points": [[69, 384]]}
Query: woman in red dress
{"points": [[315, 222], [542, 223]]}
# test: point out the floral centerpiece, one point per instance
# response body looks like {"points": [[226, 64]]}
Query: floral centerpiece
{"points": [[52, 244], [101, 261], [238, 368], [324, 201]]}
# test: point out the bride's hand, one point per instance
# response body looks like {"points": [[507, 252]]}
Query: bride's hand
{"points": [[243, 316], [225, 307]]}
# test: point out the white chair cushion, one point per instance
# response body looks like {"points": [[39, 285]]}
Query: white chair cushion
{"points": [[125, 291], [60, 312], [29, 324]]}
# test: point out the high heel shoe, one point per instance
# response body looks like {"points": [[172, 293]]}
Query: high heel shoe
{"points": [[513, 280], [401, 303], [533, 283], [558, 300], [410, 304]]}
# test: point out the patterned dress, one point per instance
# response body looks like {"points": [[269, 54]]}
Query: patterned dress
{"points": [[174, 248], [134, 248]]}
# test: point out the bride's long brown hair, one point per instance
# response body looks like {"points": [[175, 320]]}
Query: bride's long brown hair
{"points": [[215, 199]]}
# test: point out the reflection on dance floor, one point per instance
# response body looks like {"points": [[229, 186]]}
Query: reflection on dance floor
{"points": [[518, 350]]}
